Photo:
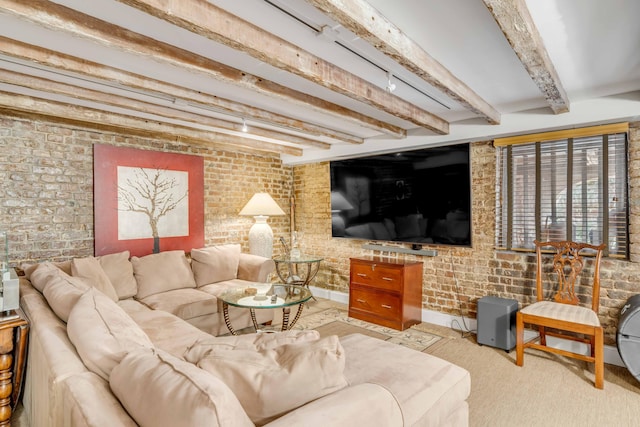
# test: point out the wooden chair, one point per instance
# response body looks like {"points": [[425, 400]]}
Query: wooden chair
{"points": [[563, 315]]}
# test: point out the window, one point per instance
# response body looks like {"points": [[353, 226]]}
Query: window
{"points": [[568, 185]]}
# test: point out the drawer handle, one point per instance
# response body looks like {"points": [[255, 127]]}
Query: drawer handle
{"points": [[362, 301], [386, 306], [388, 279], [362, 275]]}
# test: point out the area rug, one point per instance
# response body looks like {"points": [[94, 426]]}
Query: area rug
{"points": [[334, 321]]}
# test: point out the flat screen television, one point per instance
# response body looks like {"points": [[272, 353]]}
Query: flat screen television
{"points": [[420, 197]]}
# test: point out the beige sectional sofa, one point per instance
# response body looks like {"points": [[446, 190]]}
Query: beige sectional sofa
{"points": [[104, 351]]}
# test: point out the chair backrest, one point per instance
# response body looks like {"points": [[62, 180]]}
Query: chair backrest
{"points": [[567, 264]]}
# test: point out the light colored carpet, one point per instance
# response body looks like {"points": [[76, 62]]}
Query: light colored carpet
{"points": [[548, 390], [342, 329], [338, 321]]}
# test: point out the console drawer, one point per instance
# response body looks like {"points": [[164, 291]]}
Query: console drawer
{"points": [[378, 303], [377, 276]]}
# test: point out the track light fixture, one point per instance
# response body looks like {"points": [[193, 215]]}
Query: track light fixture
{"points": [[390, 85], [244, 126]]}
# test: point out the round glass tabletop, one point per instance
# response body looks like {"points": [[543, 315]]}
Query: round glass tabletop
{"points": [[302, 259], [275, 296]]}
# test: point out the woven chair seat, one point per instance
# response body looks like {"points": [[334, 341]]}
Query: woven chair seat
{"points": [[564, 312]]}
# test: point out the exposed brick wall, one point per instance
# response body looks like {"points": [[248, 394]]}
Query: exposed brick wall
{"points": [[46, 206], [456, 278], [46, 200]]}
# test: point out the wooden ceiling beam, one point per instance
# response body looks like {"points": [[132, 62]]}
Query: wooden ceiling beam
{"points": [[60, 18], [109, 75], [207, 20], [32, 105], [515, 21], [77, 92], [366, 22]]}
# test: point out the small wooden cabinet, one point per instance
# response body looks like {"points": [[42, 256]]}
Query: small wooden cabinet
{"points": [[14, 329], [386, 292]]}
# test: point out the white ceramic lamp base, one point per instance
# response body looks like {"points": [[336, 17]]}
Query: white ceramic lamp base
{"points": [[261, 237]]}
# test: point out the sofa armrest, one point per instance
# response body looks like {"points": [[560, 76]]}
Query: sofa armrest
{"points": [[255, 268], [365, 404]]}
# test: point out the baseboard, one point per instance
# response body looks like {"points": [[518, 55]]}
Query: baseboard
{"points": [[466, 324]]}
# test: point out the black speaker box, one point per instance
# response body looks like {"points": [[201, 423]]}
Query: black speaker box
{"points": [[497, 322]]}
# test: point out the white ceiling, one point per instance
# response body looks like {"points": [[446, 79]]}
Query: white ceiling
{"points": [[593, 45]]}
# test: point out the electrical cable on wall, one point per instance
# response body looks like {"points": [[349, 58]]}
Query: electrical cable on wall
{"points": [[455, 325]]}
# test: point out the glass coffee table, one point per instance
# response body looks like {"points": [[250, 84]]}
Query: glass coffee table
{"points": [[276, 296]]}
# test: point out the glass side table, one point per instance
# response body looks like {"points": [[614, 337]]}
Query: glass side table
{"points": [[278, 296], [299, 270]]}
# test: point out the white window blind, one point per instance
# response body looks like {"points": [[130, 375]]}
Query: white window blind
{"points": [[565, 189]]}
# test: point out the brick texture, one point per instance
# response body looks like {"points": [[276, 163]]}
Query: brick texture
{"points": [[46, 206], [457, 277], [46, 200]]}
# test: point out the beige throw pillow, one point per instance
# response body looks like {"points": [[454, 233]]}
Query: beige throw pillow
{"points": [[255, 342], [215, 263], [120, 272], [89, 268], [39, 274], [158, 389], [103, 333], [62, 292], [270, 383], [161, 272]]}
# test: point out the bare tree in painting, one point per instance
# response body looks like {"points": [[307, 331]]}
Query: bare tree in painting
{"points": [[151, 193]]}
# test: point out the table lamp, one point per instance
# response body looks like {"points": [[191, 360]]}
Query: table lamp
{"points": [[261, 206]]}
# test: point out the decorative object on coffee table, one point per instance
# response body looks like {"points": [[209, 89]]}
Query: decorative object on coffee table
{"points": [[267, 297], [261, 206]]}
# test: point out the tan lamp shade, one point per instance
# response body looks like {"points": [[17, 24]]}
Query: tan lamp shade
{"points": [[261, 204]]}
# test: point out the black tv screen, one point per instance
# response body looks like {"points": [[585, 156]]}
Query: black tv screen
{"points": [[419, 197]]}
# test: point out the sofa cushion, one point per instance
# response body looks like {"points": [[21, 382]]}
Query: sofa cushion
{"points": [[255, 342], [89, 402], [62, 292], [120, 272], [162, 272], [158, 389], [168, 332], [215, 263], [363, 404], [184, 303], [89, 268], [421, 383], [272, 382], [39, 274], [102, 332]]}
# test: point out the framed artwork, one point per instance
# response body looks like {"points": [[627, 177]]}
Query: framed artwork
{"points": [[147, 201]]}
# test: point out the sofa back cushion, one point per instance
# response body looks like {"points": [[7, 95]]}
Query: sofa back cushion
{"points": [[162, 272], [103, 333], [272, 382], [120, 272], [39, 274], [215, 263], [89, 268], [62, 292], [158, 389]]}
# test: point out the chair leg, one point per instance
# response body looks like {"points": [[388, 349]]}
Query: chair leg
{"points": [[519, 339], [543, 336], [599, 358]]}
